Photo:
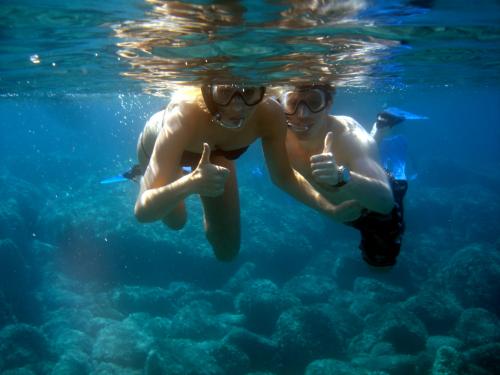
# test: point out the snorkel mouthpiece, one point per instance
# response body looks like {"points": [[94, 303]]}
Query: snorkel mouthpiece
{"points": [[220, 122], [298, 129]]}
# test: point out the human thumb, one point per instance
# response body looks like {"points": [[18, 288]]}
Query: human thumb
{"points": [[328, 143], [205, 156]]}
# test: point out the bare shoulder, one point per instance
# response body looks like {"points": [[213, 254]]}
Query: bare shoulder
{"points": [[349, 128], [178, 124], [353, 135]]}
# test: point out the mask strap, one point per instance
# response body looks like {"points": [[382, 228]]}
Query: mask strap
{"points": [[206, 92]]}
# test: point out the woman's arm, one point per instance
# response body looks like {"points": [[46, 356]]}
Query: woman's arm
{"points": [[161, 188]]}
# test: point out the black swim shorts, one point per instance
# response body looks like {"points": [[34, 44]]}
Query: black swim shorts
{"points": [[381, 234]]}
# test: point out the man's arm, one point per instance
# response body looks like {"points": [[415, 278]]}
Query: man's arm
{"points": [[369, 184], [288, 179]]}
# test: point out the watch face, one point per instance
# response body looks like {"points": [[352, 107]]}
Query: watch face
{"points": [[346, 174]]}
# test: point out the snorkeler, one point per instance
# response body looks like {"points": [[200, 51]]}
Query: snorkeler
{"points": [[340, 159], [207, 130]]}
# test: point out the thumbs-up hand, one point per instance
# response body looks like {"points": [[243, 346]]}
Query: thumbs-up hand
{"points": [[324, 166], [209, 179]]}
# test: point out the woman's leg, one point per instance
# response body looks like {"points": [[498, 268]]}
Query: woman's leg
{"points": [[222, 216]]}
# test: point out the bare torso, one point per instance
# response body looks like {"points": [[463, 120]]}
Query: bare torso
{"points": [[347, 132]]}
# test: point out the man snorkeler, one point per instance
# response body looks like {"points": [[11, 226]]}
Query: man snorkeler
{"points": [[340, 159]]}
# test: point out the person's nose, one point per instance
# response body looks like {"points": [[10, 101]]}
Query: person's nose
{"points": [[238, 103], [303, 110]]}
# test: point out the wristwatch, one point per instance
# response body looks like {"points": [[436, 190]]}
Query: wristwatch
{"points": [[343, 176]]}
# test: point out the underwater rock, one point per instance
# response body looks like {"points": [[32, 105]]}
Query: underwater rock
{"points": [[399, 327], [437, 308], [18, 371], [112, 369], [19, 212], [238, 281], [472, 275], [369, 294], [123, 344], [11, 221], [95, 243], [477, 327], [152, 300], [486, 357], [447, 362], [6, 315], [157, 327], [220, 300], [197, 321], [72, 340], [310, 288], [486, 208], [335, 367], [58, 321], [451, 210], [260, 350], [435, 342], [181, 357], [378, 291], [262, 303], [396, 364], [304, 334], [72, 363], [231, 359], [22, 344], [348, 268], [13, 269]]}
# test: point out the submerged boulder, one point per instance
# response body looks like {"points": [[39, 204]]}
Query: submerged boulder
{"points": [[23, 344], [477, 327], [486, 357], [394, 364], [123, 344], [262, 303], [448, 361], [181, 357], [260, 351], [399, 327], [311, 288], [472, 276], [336, 367], [438, 309], [307, 333]]}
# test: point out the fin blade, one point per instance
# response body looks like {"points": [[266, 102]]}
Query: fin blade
{"points": [[397, 112], [114, 179]]}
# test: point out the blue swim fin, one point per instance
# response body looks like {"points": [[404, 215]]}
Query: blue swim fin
{"points": [[392, 116], [112, 180], [404, 115], [133, 174], [393, 155]]}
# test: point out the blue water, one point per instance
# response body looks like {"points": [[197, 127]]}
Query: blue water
{"points": [[85, 289]]}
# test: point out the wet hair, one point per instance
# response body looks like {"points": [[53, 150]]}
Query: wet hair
{"points": [[325, 87]]}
